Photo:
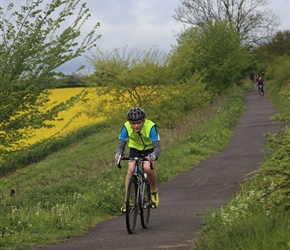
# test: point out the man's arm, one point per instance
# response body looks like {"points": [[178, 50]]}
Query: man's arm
{"points": [[156, 148], [121, 146], [123, 137], [155, 138]]}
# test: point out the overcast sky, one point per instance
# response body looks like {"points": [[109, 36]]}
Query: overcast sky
{"points": [[145, 23], [142, 24]]}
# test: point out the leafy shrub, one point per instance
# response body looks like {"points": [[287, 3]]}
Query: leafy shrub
{"points": [[279, 70]]}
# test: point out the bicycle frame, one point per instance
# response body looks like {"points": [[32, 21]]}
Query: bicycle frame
{"points": [[261, 89], [140, 174], [141, 178], [139, 188]]}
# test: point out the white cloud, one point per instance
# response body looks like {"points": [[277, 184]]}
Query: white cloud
{"points": [[142, 24]]}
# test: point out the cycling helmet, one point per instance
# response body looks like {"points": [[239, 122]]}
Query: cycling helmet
{"points": [[135, 114]]}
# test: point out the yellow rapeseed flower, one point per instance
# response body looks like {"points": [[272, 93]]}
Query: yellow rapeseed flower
{"points": [[73, 118]]}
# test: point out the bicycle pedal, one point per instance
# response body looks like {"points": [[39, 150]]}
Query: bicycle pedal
{"points": [[147, 204]]}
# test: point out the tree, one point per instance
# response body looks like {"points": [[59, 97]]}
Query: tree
{"points": [[279, 45], [149, 79], [128, 79], [216, 51], [253, 22], [266, 54], [35, 41]]}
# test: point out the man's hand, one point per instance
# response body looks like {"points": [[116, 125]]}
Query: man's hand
{"points": [[118, 156], [152, 157]]}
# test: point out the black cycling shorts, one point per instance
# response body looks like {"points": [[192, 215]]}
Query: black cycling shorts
{"points": [[137, 153]]}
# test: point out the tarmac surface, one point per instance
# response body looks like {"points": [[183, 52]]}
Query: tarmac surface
{"points": [[185, 199]]}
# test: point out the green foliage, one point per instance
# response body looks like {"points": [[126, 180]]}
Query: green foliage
{"points": [[130, 79], [278, 46], [147, 80], [283, 104], [71, 81], [182, 59], [35, 42], [279, 70], [217, 51], [181, 100]]}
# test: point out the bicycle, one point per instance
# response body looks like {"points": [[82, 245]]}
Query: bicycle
{"points": [[261, 90], [138, 197]]}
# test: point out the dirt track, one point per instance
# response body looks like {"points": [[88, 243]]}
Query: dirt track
{"points": [[183, 201]]}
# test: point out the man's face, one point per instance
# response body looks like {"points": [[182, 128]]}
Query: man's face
{"points": [[137, 126]]}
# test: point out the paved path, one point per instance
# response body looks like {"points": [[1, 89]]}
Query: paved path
{"points": [[184, 200]]}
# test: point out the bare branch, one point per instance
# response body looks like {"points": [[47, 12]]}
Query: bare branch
{"points": [[253, 21]]}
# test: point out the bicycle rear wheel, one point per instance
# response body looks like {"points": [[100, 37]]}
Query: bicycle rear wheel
{"points": [[132, 205], [145, 205]]}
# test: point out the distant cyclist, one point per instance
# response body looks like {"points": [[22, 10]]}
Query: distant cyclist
{"points": [[260, 84], [256, 76], [263, 76], [143, 139]]}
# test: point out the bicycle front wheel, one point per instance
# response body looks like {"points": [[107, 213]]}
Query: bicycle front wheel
{"points": [[132, 204], [145, 205]]}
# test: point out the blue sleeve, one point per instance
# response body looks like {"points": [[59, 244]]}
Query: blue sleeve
{"points": [[123, 134], [154, 136]]}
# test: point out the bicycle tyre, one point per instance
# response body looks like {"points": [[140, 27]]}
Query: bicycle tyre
{"points": [[145, 205], [132, 204]]}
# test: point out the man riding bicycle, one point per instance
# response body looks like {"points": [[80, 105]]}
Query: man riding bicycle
{"points": [[260, 85], [143, 139]]}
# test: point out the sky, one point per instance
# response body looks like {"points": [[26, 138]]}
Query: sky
{"points": [[132, 24], [142, 24]]}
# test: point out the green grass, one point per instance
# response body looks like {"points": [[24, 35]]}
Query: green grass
{"points": [[251, 230], [258, 217], [79, 186]]}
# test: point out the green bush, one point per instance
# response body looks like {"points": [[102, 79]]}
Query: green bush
{"points": [[279, 70]]}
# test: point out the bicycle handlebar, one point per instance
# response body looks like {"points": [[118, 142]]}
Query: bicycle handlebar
{"points": [[136, 159]]}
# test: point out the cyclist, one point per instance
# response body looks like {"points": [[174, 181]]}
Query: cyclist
{"points": [[260, 85], [143, 139], [263, 76], [256, 76]]}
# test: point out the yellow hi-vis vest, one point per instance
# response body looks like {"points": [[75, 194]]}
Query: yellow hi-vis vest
{"points": [[140, 141]]}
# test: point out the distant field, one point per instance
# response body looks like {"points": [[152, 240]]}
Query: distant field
{"points": [[70, 121], [76, 117]]}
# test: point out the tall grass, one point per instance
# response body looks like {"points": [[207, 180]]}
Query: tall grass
{"points": [[252, 229]]}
